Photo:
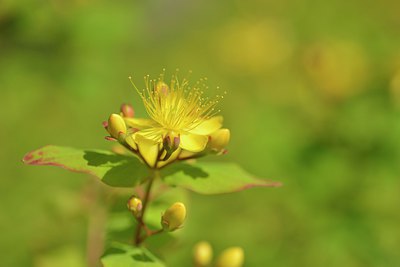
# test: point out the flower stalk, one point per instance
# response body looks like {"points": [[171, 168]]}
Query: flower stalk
{"points": [[138, 238]]}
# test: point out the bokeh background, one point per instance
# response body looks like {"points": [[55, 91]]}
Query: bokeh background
{"points": [[313, 101]]}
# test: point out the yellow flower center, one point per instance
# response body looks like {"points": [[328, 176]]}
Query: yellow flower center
{"points": [[178, 106]]}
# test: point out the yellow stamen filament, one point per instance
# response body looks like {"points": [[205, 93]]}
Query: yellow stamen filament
{"points": [[178, 106]]}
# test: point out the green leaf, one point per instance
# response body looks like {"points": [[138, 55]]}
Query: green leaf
{"points": [[119, 255], [212, 177], [113, 169]]}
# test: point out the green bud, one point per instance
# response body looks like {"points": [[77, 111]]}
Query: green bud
{"points": [[231, 257], [173, 217], [116, 125], [134, 204], [202, 254]]}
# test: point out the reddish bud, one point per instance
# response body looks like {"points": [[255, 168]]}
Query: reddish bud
{"points": [[177, 141], [167, 142], [127, 111]]}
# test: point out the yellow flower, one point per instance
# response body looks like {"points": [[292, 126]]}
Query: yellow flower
{"points": [[183, 123]]}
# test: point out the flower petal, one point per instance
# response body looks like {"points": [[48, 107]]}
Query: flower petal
{"points": [[173, 157], [130, 140], [148, 149], [186, 154], [155, 134], [193, 142], [140, 123], [219, 139], [208, 126]]}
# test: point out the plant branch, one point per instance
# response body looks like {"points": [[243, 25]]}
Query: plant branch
{"points": [[144, 226], [141, 225], [151, 233]]}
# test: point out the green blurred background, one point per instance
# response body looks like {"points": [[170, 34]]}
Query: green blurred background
{"points": [[313, 101]]}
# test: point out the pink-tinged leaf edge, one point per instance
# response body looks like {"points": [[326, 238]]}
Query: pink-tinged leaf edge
{"points": [[111, 168], [38, 158], [263, 183], [214, 178]]}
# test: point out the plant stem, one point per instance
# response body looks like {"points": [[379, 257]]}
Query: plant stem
{"points": [[156, 232], [141, 225]]}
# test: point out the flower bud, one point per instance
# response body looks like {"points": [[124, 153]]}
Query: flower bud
{"points": [[202, 254], [162, 88], [116, 125], [174, 217], [167, 143], [231, 257], [177, 141], [134, 204], [170, 145], [219, 139], [127, 111]]}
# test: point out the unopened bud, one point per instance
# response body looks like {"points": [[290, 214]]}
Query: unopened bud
{"points": [[134, 204], [162, 88], [167, 142], [172, 141], [219, 139], [116, 125], [177, 141], [174, 217], [202, 254], [127, 111], [170, 145], [231, 257]]}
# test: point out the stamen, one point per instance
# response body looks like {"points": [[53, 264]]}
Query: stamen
{"points": [[179, 106]]}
